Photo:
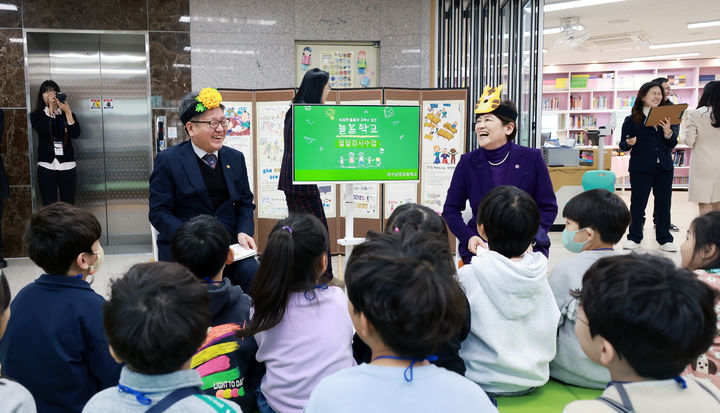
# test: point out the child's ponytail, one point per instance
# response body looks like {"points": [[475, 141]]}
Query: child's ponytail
{"points": [[289, 264]]}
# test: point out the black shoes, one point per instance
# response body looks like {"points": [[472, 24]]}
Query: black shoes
{"points": [[3, 263]]}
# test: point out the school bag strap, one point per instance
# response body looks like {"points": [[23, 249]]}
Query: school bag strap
{"points": [[173, 398], [623, 407]]}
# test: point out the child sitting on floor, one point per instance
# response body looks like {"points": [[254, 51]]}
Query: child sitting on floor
{"points": [[514, 315], [595, 221], [202, 244], [54, 343], [404, 305], [302, 328], [155, 320], [701, 253], [645, 320], [14, 398], [415, 217]]}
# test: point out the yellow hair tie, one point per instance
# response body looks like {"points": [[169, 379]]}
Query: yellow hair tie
{"points": [[209, 98]]}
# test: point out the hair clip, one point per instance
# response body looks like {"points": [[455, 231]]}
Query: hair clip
{"points": [[286, 227], [396, 229]]}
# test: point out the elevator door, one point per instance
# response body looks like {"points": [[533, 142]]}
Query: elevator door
{"points": [[105, 77]]}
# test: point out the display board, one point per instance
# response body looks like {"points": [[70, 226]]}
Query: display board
{"points": [[443, 141], [355, 143], [349, 64], [396, 194], [269, 116]]}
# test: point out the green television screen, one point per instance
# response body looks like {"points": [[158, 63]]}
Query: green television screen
{"points": [[345, 143]]}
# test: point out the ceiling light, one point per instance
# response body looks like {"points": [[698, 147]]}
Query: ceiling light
{"points": [[184, 19], [8, 6], [575, 4], [703, 24], [684, 44], [554, 30], [16, 40], [661, 57]]}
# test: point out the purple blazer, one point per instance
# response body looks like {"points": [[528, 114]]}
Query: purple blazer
{"points": [[471, 180]]}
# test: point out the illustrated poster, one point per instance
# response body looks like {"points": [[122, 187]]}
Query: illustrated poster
{"points": [[366, 199], [328, 196], [270, 124], [443, 141], [239, 134], [397, 193], [339, 66]]}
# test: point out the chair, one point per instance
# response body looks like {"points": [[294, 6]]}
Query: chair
{"points": [[599, 179]]}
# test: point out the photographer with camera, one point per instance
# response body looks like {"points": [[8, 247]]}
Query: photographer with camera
{"points": [[55, 125]]}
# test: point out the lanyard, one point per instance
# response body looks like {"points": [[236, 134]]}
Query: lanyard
{"points": [[318, 287], [139, 396], [603, 249], [412, 362]]}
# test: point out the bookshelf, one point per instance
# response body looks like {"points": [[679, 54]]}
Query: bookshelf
{"points": [[578, 98]]}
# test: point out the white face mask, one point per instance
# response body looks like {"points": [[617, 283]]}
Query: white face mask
{"points": [[98, 263]]}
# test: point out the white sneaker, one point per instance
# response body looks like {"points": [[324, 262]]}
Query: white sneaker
{"points": [[630, 245], [668, 247]]}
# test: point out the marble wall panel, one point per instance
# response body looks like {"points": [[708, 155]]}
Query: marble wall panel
{"points": [[86, 15], [243, 16], [170, 72], [165, 15], [338, 20], [11, 18], [12, 69], [16, 213], [14, 147], [400, 66], [401, 17], [251, 62]]}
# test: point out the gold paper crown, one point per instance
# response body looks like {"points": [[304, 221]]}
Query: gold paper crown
{"points": [[489, 101], [209, 98]]}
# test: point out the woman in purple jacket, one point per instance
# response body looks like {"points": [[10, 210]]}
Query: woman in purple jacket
{"points": [[498, 161]]}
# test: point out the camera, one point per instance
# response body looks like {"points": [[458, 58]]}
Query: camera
{"points": [[61, 97]]}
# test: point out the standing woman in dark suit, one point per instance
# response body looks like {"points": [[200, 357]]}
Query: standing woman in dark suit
{"points": [[497, 161], [304, 198], [56, 126], [651, 167]]}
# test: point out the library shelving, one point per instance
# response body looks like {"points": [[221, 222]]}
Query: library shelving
{"points": [[577, 98]]}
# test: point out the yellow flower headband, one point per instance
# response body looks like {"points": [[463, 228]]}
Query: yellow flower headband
{"points": [[208, 98]]}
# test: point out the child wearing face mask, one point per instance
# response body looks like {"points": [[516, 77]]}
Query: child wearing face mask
{"points": [[54, 343], [595, 221], [701, 253]]}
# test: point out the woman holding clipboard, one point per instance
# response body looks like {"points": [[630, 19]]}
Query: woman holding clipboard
{"points": [[651, 167]]}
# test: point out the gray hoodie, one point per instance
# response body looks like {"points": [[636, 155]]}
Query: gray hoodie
{"points": [[513, 321]]}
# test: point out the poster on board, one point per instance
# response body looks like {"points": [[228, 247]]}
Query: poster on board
{"points": [[365, 198], [328, 196], [339, 66], [239, 134], [443, 137], [397, 193], [270, 125]]}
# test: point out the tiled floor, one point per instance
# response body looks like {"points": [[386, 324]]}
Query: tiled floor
{"points": [[22, 271]]}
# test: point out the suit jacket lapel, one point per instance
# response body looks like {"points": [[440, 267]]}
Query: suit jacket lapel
{"points": [[192, 170], [515, 166], [228, 173], [482, 171]]}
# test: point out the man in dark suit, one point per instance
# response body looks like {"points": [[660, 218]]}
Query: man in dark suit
{"points": [[202, 176]]}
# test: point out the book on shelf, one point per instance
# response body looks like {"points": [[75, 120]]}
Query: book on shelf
{"points": [[579, 81], [678, 158], [600, 102], [583, 122], [627, 102], [551, 103], [680, 180], [576, 102]]}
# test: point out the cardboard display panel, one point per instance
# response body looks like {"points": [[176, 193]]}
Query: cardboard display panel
{"points": [[396, 194], [444, 132], [269, 110], [368, 204]]}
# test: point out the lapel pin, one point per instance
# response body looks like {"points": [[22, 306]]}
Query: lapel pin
{"points": [[227, 166], [517, 166]]}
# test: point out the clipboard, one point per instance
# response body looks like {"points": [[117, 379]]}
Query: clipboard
{"points": [[658, 113]]}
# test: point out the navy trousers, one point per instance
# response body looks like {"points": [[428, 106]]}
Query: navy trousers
{"points": [[641, 183]]}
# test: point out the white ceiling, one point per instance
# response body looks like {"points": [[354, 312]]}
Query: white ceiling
{"points": [[662, 21]]}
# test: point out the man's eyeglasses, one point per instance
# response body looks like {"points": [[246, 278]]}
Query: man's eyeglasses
{"points": [[214, 123]]}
